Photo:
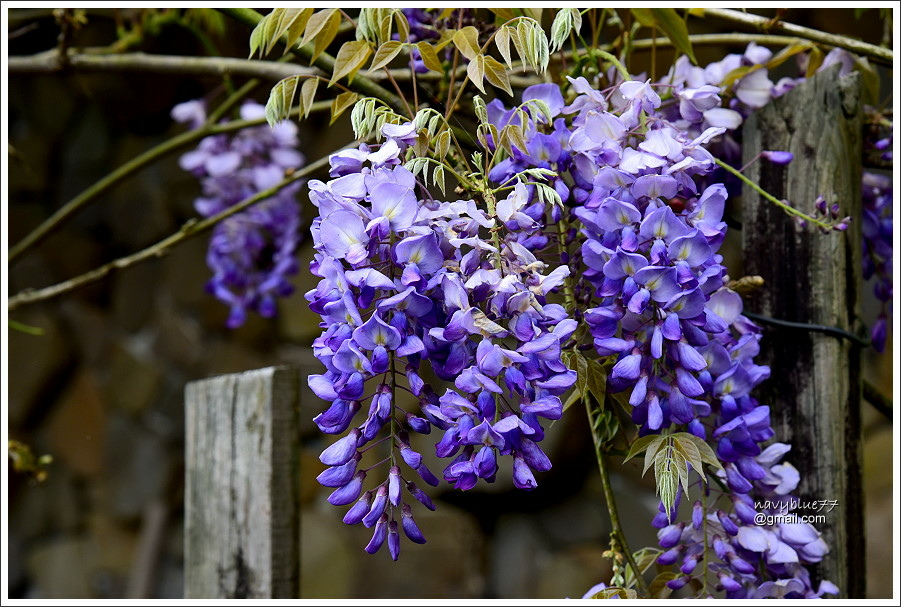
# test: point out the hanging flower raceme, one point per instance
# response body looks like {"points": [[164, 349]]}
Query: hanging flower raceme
{"points": [[252, 252], [406, 279], [638, 185]]}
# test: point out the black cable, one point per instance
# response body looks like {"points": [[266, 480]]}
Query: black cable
{"points": [[834, 331]]}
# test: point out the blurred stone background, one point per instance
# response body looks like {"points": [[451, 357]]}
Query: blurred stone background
{"points": [[102, 389]]}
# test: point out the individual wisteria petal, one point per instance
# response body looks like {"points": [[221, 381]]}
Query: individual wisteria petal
{"points": [[349, 492], [411, 529], [378, 535], [341, 450]]}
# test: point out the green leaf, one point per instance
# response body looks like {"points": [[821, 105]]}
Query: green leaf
{"points": [[291, 24], [668, 476], [814, 61], [350, 58], [262, 36], [597, 379], [616, 592], [322, 27], [429, 56], [787, 53], [23, 328], [281, 98], [737, 74], [374, 24], [642, 444], [645, 558], [565, 22], [476, 71], [706, 452], [307, 94], [438, 177], [658, 588], [442, 144], [497, 75], [385, 54], [670, 23], [502, 41], [402, 24], [467, 42], [341, 103], [505, 14], [690, 452]]}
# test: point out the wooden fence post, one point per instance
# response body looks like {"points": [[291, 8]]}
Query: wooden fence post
{"points": [[241, 498], [811, 277]]}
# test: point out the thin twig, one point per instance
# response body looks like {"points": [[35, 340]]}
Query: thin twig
{"points": [[879, 401], [871, 51], [188, 230], [50, 224], [87, 61]]}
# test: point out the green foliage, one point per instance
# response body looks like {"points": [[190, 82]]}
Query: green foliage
{"points": [[26, 462], [567, 21], [670, 454], [668, 21]]}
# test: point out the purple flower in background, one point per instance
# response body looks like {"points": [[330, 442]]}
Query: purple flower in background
{"points": [[251, 254]]}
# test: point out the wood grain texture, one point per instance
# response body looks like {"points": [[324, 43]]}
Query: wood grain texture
{"points": [[810, 277], [241, 507]]}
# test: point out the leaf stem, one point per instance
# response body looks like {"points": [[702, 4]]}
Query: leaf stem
{"points": [[616, 63], [617, 531], [766, 195]]}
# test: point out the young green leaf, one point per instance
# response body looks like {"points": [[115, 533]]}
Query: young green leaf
{"points": [[642, 444], [402, 24], [291, 24], [467, 42], [691, 454], [442, 144], [307, 94], [502, 41], [385, 54], [321, 27], [565, 22], [597, 374], [429, 56], [497, 75], [704, 450], [341, 103], [476, 71], [350, 58], [670, 23], [438, 177], [281, 98]]}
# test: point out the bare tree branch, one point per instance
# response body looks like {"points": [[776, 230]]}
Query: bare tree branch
{"points": [[762, 24], [188, 230], [86, 61]]}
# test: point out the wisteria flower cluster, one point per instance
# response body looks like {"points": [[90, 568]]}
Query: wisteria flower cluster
{"points": [[407, 279], [252, 253], [684, 353]]}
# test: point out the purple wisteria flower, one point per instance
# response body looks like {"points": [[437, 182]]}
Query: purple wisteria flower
{"points": [[251, 253], [408, 279], [657, 304]]}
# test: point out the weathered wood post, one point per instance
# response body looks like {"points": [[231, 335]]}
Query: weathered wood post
{"points": [[241, 494], [811, 277]]}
